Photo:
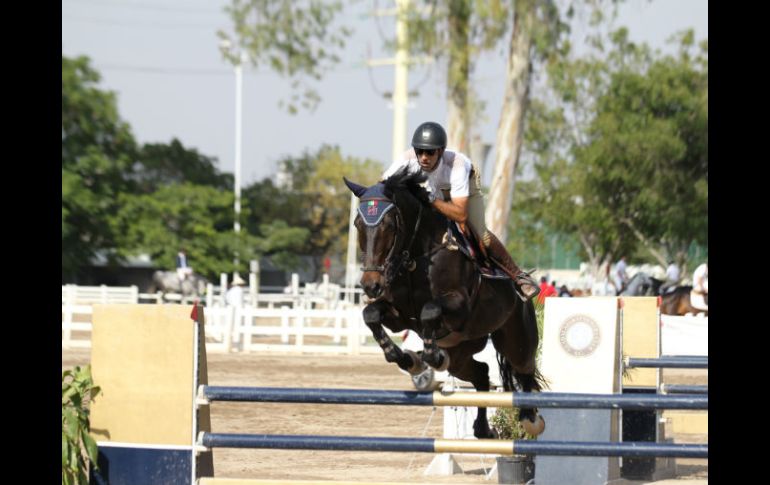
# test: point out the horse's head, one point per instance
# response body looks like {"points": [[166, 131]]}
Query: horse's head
{"points": [[387, 220]]}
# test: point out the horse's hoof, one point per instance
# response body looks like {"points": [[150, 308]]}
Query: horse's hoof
{"points": [[534, 428], [417, 364], [425, 380]]}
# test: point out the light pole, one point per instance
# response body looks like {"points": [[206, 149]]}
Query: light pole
{"points": [[241, 58]]}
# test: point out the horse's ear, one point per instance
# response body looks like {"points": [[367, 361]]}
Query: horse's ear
{"points": [[358, 190]]}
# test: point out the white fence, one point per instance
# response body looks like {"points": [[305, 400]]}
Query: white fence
{"points": [[247, 329], [86, 295]]}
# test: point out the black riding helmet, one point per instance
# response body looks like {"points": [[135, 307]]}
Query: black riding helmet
{"points": [[429, 135]]}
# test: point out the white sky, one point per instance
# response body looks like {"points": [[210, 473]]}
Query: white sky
{"points": [[162, 59]]}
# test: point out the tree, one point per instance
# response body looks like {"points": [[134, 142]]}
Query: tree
{"points": [[97, 149], [159, 164], [620, 151], [197, 218], [306, 211], [457, 30], [294, 38], [649, 149]]}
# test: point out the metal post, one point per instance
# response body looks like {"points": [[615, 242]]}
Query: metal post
{"points": [[400, 89], [238, 125]]}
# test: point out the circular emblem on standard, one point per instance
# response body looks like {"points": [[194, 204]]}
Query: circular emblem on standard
{"points": [[579, 335]]}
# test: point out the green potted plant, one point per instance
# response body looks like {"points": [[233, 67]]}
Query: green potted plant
{"points": [[516, 469], [78, 448]]}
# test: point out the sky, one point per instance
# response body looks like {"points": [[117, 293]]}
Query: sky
{"points": [[162, 59]]}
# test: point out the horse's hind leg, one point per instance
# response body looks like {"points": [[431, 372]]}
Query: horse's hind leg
{"points": [[374, 314], [516, 343], [463, 366]]}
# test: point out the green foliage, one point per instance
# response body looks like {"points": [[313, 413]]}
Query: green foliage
{"points": [[621, 157], [295, 38], [308, 212], [97, 149], [78, 448], [194, 217], [506, 423], [160, 164]]}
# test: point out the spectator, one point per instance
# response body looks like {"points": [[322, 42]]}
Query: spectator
{"points": [[234, 296], [564, 292], [545, 290]]}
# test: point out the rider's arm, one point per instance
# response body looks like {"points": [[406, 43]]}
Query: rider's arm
{"points": [[404, 160], [455, 209]]}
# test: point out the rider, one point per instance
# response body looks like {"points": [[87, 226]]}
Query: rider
{"points": [[454, 185], [672, 277], [621, 277], [183, 269], [700, 279]]}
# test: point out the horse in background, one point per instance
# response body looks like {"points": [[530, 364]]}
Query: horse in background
{"points": [[168, 282], [641, 284], [677, 302], [418, 278]]}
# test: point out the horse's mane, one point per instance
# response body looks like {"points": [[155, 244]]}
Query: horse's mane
{"points": [[411, 182]]}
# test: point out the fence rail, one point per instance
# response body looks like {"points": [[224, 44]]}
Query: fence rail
{"points": [[248, 329]]}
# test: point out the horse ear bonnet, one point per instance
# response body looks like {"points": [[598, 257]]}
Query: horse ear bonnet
{"points": [[374, 205]]}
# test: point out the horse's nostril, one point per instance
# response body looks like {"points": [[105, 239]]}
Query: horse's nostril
{"points": [[373, 291]]}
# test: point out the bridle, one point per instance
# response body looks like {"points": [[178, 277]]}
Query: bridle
{"points": [[395, 260]]}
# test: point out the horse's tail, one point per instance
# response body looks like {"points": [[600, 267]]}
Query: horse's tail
{"points": [[536, 380], [506, 372], [533, 381]]}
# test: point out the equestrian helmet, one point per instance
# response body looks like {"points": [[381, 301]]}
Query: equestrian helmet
{"points": [[429, 135]]}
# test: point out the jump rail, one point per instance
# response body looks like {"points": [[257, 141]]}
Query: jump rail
{"points": [[683, 389], [671, 362], [437, 398], [207, 441]]}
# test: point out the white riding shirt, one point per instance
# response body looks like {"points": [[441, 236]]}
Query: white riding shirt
{"points": [[452, 173]]}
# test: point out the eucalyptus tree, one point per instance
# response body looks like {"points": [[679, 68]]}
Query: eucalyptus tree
{"points": [[457, 31]]}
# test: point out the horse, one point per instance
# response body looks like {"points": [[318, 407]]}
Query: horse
{"points": [[168, 282], [677, 302], [417, 279], [641, 284]]}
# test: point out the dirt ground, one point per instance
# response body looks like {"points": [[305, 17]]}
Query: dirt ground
{"points": [[359, 372]]}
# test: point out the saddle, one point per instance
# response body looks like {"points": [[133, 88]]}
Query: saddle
{"points": [[469, 245]]}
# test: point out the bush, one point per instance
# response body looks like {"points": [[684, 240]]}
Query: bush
{"points": [[506, 423], [78, 449]]}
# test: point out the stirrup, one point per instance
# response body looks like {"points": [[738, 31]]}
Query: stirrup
{"points": [[526, 277]]}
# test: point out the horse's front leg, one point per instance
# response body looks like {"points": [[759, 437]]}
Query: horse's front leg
{"points": [[431, 317], [374, 315]]}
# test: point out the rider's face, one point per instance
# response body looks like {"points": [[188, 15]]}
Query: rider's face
{"points": [[428, 159]]}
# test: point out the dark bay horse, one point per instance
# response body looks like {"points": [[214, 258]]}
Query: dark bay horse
{"points": [[677, 302], [420, 281]]}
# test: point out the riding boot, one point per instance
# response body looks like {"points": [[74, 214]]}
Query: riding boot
{"points": [[527, 286]]}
